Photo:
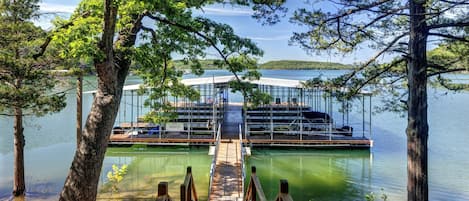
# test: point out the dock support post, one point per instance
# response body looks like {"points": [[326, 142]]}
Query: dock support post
{"points": [[363, 115], [370, 121], [284, 186], [132, 112], [138, 106], [183, 192], [162, 188], [283, 194], [79, 107], [253, 187]]}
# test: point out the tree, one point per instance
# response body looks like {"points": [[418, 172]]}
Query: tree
{"points": [[391, 27], [26, 85], [106, 32]]}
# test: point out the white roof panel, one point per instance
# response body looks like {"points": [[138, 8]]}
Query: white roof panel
{"points": [[225, 79]]}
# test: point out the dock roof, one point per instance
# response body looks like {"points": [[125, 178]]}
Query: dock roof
{"points": [[277, 82], [226, 79]]}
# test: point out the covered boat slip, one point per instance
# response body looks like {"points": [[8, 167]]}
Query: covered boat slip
{"points": [[295, 116]]}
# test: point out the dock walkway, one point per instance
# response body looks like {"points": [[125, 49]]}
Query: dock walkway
{"points": [[227, 182]]}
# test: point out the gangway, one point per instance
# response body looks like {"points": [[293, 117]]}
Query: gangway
{"points": [[227, 175]]}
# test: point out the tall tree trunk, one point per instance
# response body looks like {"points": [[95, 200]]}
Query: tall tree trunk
{"points": [[417, 128], [82, 180], [18, 182]]}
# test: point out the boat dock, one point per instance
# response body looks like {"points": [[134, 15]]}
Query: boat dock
{"points": [[296, 116]]}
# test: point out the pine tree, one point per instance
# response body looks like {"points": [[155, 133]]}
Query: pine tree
{"points": [[26, 86], [392, 28]]}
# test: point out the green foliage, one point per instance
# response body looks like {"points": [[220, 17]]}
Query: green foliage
{"points": [[373, 197], [384, 26], [169, 29], [448, 57], [115, 176], [25, 82], [206, 64]]}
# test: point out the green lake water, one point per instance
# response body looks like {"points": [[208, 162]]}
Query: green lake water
{"points": [[147, 166], [312, 174]]}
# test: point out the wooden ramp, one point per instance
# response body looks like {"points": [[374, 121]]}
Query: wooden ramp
{"points": [[227, 181]]}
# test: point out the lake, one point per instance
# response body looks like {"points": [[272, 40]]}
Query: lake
{"points": [[312, 174]]}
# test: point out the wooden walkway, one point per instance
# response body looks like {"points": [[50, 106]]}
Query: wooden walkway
{"points": [[227, 181]]}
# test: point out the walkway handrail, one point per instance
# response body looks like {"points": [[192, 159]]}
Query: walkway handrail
{"points": [[214, 160], [254, 189], [188, 192], [241, 147]]}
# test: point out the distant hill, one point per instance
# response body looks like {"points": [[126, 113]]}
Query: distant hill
{"points": [[280, 64], [304, 65]]}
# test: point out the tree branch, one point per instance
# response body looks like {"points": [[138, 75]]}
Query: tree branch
{"points": [[190, 29], [446, 25], [462, 39], [153, 33], [46, 43], [456, 2], [394, 63], [356, 9], [446, 71], [394, 41]]}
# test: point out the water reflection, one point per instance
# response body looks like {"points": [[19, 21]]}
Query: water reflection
{"points": [[149, 166], [314, 175]]}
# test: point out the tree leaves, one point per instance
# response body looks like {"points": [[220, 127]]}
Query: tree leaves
{"points": [[25, 82], [381, 25]]}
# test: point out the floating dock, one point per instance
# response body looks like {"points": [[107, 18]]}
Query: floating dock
{"points": [[296, 116]]}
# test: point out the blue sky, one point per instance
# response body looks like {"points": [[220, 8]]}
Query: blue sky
{"points": [[272, 39]]}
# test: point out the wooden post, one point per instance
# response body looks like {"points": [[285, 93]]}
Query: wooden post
{"points": [[284, 186], [162, 189], [79, 107], [188, 190], [253, 187], [183, 192]]}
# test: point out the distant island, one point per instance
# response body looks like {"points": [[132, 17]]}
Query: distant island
{"points": [[279, 65], [304, 65]]}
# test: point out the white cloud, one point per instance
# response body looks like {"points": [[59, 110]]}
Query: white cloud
{"points": [[224, 11], [56, 8]]}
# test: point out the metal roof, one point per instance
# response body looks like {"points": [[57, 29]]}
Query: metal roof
{"points": [[226, 79]]}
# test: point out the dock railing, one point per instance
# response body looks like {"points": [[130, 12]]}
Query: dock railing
{"points": [[188, 192], [254, 190], [214, 160], [241, 147]]}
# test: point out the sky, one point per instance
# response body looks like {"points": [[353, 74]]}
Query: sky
{"points": [[273, 39]]}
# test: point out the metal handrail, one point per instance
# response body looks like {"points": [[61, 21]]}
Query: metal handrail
{"points": [[243, 169], [214, 160]]}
